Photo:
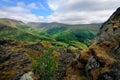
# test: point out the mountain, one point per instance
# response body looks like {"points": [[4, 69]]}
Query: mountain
{"points": [[46, 25], [11, 22], [10, 29], [43, 60], [60, 35], [66, 33]]}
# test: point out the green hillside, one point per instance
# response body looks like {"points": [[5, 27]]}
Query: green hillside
{"points": [[13, 32], [60, 35], [66, 33]]}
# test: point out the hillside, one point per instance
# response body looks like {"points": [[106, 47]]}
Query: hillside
{"points": [[10, 29], [44, 61], [67, 33], [60, 35]]}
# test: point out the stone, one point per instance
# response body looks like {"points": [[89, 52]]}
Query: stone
{"points": [[113, 74], [27, 76], [91, 64]]}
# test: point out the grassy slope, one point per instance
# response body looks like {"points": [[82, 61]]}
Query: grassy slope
{"points": [[11, 32], [60, 35], [67, 33], [63, 33], [81, 33]]}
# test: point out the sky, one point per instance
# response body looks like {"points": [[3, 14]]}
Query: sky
{"points": [[62, 11]]}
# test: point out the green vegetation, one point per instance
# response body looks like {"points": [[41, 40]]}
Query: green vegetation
{"points": [[66, 33], [59, 44], [78, 45], [45, 66], [59, 35], [19, 34]]}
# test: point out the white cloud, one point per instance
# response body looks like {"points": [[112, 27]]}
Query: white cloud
{"points": [[32, 6], [29, 6], [81, 11], [19, 12]]}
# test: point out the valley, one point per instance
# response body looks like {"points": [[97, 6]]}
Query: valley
{"points": [[57, 51]]}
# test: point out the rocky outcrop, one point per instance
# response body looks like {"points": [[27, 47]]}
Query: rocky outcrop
{"points": [[105, 47], [110, 30], [101, 60], [13, 60], [92, 63], [113, 74]]}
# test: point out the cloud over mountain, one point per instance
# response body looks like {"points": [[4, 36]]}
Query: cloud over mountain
{"points": [[70, 11], [82, 11]]}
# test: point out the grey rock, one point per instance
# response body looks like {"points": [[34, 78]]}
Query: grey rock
{"points": [[91, 64], [113, 74], [110, 29], [27, 76], [14, 61]]}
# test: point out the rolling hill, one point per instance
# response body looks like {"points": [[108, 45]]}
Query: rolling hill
{"points": [[10, 29], [66, 33], [60, 35]]}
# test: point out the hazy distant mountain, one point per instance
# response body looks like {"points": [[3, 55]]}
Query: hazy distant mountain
{"points": [[54, 31], [11, 22], [66, 32]]}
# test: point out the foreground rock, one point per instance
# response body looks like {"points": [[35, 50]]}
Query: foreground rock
{"points": [[101, 60], [13, 63]]}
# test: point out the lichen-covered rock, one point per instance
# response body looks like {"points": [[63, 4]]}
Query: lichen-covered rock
{"points": [[13, 61], [113, 74], [109, 39], [92, 64], [27, 76], [98, 60], [110, 30]]}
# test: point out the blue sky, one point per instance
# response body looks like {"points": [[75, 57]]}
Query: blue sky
{"points": [[37, 7], [42, 7], [70, 11]]}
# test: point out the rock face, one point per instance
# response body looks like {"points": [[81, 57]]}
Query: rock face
{"points": [[108, 41], [113, 74], [110, 30], [92, 63], [13, 60], [101, 60]]}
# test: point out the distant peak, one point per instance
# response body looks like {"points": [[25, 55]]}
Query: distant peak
{"points": [[13, 20], [54, 22]]}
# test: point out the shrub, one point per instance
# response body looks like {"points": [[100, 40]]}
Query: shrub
{"points": [[45, 65]]}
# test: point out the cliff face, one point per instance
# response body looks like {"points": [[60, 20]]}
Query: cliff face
{"points": [[109, 39], [102, 57], [101, 60], [110, 30]]}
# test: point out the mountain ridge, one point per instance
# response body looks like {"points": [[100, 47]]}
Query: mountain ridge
{"points": [[49, 32], [43, 60]]}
